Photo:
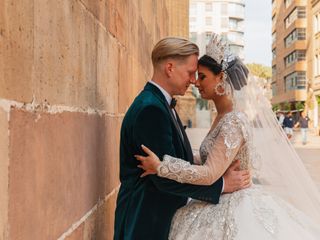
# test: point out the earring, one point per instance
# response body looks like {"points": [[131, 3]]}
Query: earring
{"points": [[222, 87]]}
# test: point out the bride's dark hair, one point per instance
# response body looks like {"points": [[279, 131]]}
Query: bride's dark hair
{"points": [[211, 64], [237, 72]]}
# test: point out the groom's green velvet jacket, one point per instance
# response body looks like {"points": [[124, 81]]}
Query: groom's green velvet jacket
{"points": [[145, 206]]}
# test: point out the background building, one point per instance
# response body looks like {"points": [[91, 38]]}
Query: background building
{"points": [[225, 17], [296, 54], [289, 50]]}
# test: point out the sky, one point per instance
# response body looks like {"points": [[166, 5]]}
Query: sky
{"points": [[257, 35]]}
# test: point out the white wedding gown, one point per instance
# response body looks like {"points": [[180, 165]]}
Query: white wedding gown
{"points": [[252, 213]]}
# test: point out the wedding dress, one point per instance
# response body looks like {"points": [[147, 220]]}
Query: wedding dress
{"points": [[253, 213]]}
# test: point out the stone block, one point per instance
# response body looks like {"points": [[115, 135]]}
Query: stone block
{"points": [[106, 218], [56, 173], [16, 49], [109, 153], [125, 81], [65, 46], [77, 234], [99, 9], [4, 165], [107, 72]]}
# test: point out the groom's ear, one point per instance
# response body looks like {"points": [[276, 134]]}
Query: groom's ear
{"points": [[168, 68]]}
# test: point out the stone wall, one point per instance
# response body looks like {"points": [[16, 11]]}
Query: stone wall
{"points": [[69, 70]]}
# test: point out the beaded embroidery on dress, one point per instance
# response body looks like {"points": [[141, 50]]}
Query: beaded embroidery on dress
{"points": [[247, 214]]}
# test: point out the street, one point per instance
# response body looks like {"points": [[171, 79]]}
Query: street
{"points": [[310, 154]]}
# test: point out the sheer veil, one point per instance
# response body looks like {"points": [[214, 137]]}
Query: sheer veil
{"points": [[275, 162]]}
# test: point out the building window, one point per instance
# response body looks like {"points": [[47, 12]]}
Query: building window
{"points": [[287, 3], [274, 36], [233, 23], [208, 21], [209, 6], [316, 23], [302, 12], [208, 36], [295, 56], [298, 12], [296, 34], [235, 9], [274, 53], [295, 81], [316, 65], [193, 37]]}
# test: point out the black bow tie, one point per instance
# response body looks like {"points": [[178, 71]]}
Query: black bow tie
{"points": [[173, 103]]}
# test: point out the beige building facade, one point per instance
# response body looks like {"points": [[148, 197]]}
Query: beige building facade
{"points": [[289, 50], [69, 69]]}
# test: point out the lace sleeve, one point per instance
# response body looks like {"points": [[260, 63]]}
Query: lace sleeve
{"points": [[197, 159], [221, 151]]}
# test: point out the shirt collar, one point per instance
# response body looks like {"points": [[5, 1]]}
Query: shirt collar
{"points": [[164, 92]]}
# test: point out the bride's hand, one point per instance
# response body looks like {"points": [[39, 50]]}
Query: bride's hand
{"points": [[149, 163]]}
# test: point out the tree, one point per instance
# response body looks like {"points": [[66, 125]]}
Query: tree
{"points": [[299, 105], [276, 107], [260, 70], [287, 106], [318, 99]]}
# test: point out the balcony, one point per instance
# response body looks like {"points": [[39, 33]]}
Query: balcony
{"points": [[236, 10], [236, 14], [236, 38], [295, 67], [235, 25], [290, 96]]}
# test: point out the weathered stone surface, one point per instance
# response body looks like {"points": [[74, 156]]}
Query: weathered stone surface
{"points": [[61, 166], [4, 164], [16, 49], [106, 218], [107, 72], [77, 53], [77, 234], [65, 53]]}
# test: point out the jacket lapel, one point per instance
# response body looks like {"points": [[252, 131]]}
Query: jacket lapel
{"points": [[186, 140], [161, 97]]}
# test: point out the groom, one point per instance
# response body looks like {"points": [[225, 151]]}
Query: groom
{"points": [[145, 206]]}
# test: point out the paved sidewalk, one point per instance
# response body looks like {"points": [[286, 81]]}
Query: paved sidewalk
{"points": [[313, 140]]}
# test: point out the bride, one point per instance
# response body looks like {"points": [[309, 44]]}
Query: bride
{"points": [[282, 203]]}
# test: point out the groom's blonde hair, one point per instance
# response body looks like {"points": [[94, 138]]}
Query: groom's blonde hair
{"points": [[173, 47]]}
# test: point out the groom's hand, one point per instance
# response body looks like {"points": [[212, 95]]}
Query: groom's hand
{"points": [[234, 179]]}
